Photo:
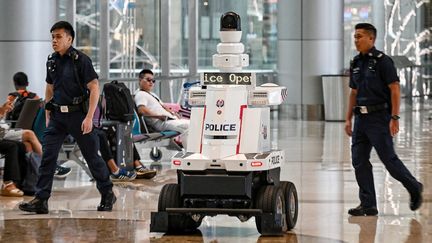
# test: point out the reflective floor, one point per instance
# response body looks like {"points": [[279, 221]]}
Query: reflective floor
{"points": [[317, 161]]}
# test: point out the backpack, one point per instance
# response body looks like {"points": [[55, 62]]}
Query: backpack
{"points": [[119, 102], [28, 185], [20, 99]]}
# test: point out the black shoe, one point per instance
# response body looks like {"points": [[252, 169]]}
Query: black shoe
{"points": [[363, 211], [39, 206], [107, 202], [417, 199]]}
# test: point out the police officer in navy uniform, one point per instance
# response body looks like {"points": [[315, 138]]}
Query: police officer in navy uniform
{"points": [[374, 100], [71, 84]]}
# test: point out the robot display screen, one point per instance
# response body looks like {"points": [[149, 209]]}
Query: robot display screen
{"points": [[227, 79]]}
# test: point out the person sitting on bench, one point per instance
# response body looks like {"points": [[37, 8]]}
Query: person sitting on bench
{"points": [[14, 161], [28, 137], [120, 174], [156, 114]]}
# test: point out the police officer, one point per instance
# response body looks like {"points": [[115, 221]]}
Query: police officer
{"points": [[72, 91], [375, 99]]}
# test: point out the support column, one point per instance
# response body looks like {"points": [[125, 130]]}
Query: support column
{"points": [[193, 37], [25, 42], [104, 41], [310, 42], [164, 48], [378, 20], [71, 12]]}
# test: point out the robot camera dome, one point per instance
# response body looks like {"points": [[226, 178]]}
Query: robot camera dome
{"points": [[230, 21], [230, 28]]}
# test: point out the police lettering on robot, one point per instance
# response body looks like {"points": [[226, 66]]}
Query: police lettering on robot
{"points": [[220, 127]]}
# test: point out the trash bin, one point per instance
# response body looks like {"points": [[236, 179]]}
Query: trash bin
{"points": [[335, 93]]}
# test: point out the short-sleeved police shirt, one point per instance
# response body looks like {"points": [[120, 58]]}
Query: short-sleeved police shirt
{"points": [[370, 75], [61, 74]]}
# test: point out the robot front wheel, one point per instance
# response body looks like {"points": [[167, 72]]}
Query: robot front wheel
{"points": [[277, 200], [291, 203], [169, 197]]}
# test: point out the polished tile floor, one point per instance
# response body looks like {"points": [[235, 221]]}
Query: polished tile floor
{"points": [[317, 161]]}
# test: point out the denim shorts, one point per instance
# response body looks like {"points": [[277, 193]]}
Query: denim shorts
{"points": [[14, 134]]}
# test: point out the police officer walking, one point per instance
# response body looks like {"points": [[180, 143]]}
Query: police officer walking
{"points": [[72, 92], [375, 100]]}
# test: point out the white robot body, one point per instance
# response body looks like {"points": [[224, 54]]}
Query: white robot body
{"points": [[228, 166], [231, 126]]}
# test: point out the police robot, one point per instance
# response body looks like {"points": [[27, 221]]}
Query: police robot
{"points": [[228, 166]]}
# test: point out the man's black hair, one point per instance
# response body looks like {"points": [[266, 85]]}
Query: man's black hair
{"points": [[144, 71], [66, 26], [20, 79], [368, 27]]}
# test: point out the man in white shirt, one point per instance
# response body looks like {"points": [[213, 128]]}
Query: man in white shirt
{"points": [[155, 112]]}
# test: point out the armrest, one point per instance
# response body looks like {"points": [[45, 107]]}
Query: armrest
{"points": [[10, 121], [157, 117], [108, 123]]}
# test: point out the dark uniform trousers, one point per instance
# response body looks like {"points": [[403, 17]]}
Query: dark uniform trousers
{"points": [[372, 130], [60, 125]]}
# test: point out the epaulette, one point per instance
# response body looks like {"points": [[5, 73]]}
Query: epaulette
{"points": [[52, 55], [74, 54], [377, 54], [352, 61]]}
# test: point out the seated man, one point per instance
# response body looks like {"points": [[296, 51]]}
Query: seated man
{"points": [[155, 112], [26, 136]]}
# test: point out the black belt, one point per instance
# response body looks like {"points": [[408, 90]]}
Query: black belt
{"points": [[67, 108], [366, 109]]}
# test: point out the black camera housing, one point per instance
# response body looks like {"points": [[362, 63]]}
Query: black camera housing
{"points": [[230, 21]]}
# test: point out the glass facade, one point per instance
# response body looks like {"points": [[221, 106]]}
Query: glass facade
{"points": [[87, 26], [259, 32], [404, 32], [135, 37]]}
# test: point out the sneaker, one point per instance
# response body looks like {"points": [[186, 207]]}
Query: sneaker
{"points": [[10, 190], [144, 173], [61, 172], [123, 175], [363, 211]]}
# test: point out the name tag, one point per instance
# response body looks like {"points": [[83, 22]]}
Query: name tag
{"points": [[64, 108]]}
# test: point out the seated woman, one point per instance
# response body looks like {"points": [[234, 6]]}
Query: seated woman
{"points": [[13, 161], [29, 139], [120, 174]]}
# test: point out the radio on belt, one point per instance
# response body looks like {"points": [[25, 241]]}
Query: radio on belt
{"points": [[228, 166]]}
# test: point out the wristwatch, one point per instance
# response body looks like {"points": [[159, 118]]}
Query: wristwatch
{"points": [[395, 117]]}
